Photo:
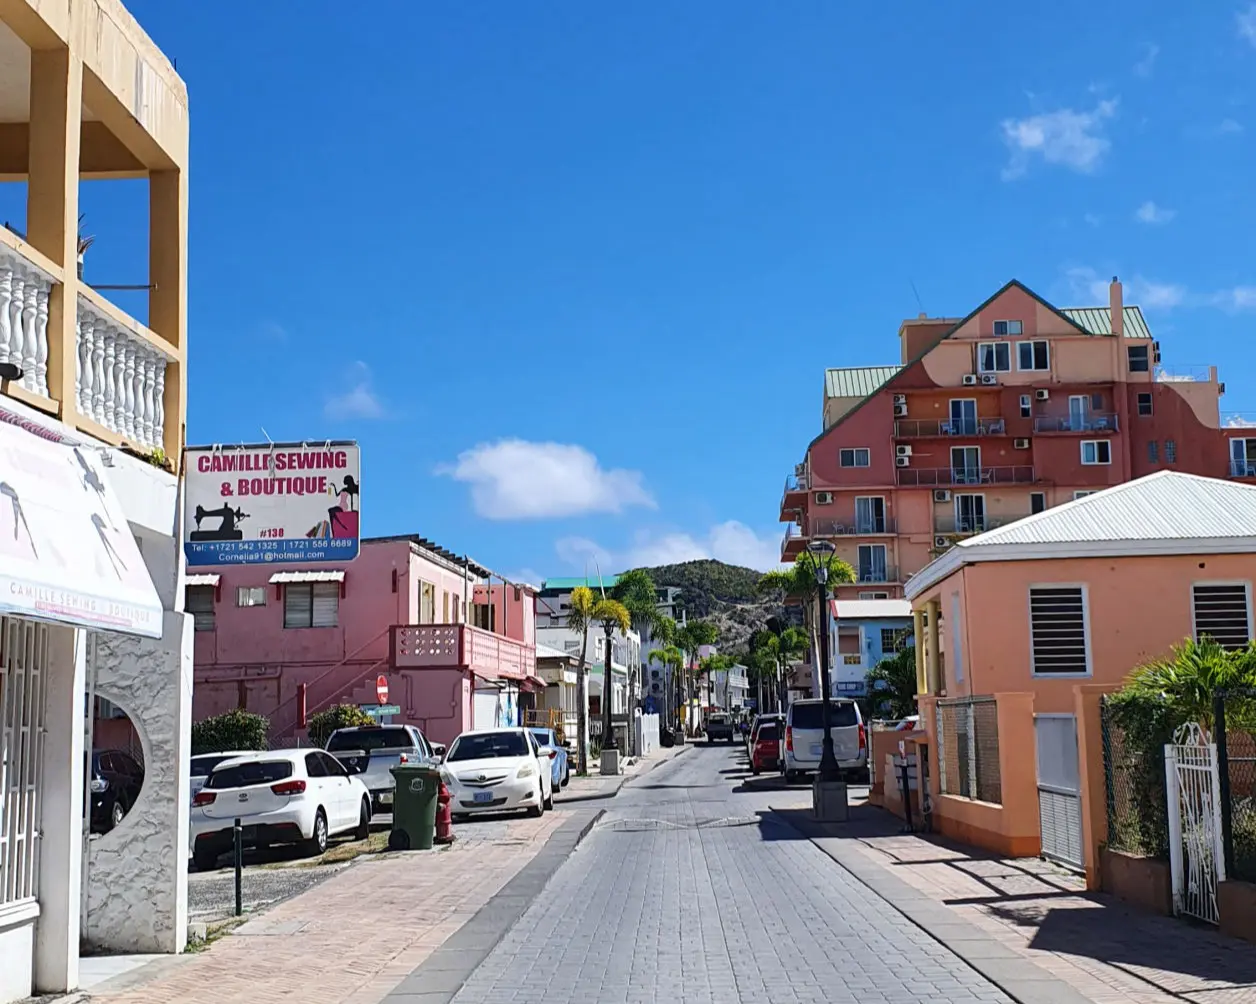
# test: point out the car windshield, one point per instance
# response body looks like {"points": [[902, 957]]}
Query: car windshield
{"points": [[810, 716], [544, 736], [371, 740], [767, 732], [202, 765], [487, 745], [245, 775]]}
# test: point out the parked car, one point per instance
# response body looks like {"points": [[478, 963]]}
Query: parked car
{"points": [[758, 722], [766, 752], [114, 781], [371, 751], [281, 797], [497, 770], [720, 726], [549, 740], [804, 737], [206, 762]]}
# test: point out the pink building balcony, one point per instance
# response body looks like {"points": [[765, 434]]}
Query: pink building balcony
{"points": [[460, 646]]}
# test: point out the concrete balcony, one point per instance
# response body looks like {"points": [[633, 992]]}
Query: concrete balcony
{"points": [[963, 525], [794, 495], [910, 428], [854, 527], [942, 477], [460, 646], [793, 543], [24, 291], [1093, 421]]}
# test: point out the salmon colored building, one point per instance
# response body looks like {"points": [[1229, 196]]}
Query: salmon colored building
{"points": [[1023, 628], [1018, 407]]}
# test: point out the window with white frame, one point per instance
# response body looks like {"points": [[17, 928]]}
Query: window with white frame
{"points": [[856, 457], [1153, 451], [894, 639], [1170, 451], [1096, 451], [1034, 355], [1222, 611], [1243, 458], [311, 604], [1139, 357], [1008, 327], [1144, 403], [23, 678], [994, 357], [199, 602], [1082, 493], [876, 595], [251, 596], [1026, 406], [1059, 637]]}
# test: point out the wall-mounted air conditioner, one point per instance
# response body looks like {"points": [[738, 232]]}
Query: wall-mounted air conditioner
{"points": [[1042, 395], [989, 380], [970, 380], [902, 461], [941, 495], [800, 470], [902, 450], [900, 398], [900, 411], [1021, 444], [941, 542], [824, 498]]}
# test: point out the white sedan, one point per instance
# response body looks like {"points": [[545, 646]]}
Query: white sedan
{"points": [[497, 770], [283, 797]]}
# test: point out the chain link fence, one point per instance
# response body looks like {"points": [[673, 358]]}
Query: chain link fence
{"points": [[1234, 716], [968, 749], [1138, 819]]}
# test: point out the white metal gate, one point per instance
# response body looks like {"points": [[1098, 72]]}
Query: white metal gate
{"points": [[1059, 788], [1193, 789]]}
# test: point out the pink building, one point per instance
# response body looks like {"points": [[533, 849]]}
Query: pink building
{"points": [[458, 649]]}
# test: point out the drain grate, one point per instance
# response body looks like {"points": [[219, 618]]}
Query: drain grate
{"points": [[645, 825]]}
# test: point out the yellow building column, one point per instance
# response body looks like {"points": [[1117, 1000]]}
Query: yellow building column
{"points": [[933, 670], [56, 113], [918, 628], [167, 300]]}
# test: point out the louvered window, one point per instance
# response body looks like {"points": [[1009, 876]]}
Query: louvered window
{"points": [[311, 604], [1057, 625], [199, 602], [1222, 613]]}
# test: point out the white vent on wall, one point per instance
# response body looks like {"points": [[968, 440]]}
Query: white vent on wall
{"points": [[970, 380], [1221, 613], [989, 379], [900, 411], [824, 498], [900, 399], [941, 495], [1057, 628], [1042, 395], [902, 451], [941, 542], [1021, 444], [902, 461]]}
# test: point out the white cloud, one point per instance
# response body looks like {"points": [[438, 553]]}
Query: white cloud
{"points": [[732, 542], [1086, 283], [1246, 22], [1145, 66], [1149, 212], [1093, 219], [1065, 137], [1235, 299], [1230, 127], [517, 479], [359, 401]]}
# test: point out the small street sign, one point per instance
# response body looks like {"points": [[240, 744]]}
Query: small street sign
{"points": [[381, 710], [381, 689]]}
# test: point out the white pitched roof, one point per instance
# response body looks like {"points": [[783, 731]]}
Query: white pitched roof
{"points": [[1163, 513]]}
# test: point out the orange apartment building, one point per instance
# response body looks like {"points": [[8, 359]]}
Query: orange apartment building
{"points": [[1015, 408]]}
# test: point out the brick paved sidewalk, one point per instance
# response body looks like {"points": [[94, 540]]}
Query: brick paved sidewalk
{"points": [[1107, 951], [351, 939]]}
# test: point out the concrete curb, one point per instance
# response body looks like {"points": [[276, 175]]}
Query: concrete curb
{"points": [[1016, 976], [441, 975]]}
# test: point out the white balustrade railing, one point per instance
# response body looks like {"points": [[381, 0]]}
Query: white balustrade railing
{"points": [[24, 291], [119, 378]]}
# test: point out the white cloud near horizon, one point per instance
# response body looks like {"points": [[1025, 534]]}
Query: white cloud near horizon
{"points": [[1145, 66], [731, 541], [1064, 137], [514, 479], [1154, 295], [359, 401], [1245, 21], [1230, 127], [1152, 214]]}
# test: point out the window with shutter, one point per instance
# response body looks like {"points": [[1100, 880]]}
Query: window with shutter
{"points": [[326, 604], [199, 602], [298, 602], [1223, 613], [1057, 627]]}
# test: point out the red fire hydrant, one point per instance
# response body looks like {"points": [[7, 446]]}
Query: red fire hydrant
{"points": [[444, 816]]}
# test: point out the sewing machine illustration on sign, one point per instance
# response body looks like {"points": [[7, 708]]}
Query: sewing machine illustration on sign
{"points": [[227, 529]]}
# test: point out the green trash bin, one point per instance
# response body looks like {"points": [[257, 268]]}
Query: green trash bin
{"points": [[414, 807]]}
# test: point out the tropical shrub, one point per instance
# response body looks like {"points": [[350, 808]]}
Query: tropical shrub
{"points": [[342, 716], [236, 730]]}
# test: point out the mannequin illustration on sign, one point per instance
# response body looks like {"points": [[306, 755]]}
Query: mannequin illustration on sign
{"points": [[343, 516], [19, 517]]}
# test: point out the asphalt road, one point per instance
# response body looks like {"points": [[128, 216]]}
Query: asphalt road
{"points": [[689, 890]]}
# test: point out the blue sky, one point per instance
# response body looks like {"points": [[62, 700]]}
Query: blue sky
{"points": [[571, 272]]}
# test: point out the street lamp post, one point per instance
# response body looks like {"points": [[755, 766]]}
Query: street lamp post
{"points": [[822, 551], [608, 689]]}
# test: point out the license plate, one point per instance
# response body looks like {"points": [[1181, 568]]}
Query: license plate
{"points": [[386, 798], [817, 749], [483, 796]]}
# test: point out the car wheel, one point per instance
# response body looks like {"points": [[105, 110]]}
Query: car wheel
{"points": [[566, 777], [205, 861], [117, 814], [754, 770], [364, 822], [549, 800], [317, 844], [539, 808]]}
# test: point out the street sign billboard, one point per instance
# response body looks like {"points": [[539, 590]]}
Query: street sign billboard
{"points": [[272, 503]]}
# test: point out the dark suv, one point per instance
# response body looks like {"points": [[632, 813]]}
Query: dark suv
{"points": [[114, 781]]}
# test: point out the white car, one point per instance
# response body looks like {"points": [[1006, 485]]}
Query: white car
{"points": [[804, 737], [283, 797], [202, 764], [497, 770]]}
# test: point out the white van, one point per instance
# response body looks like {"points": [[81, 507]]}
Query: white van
{"points": [[804, 736]]}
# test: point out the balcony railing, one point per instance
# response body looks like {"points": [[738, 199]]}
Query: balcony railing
{"points": [[944, 476], [853, 528], [1093, 421], [910, 428], [461, 646], [972, 524], [1243, 468], [24, 292], [876, 573], [1186, 374]]}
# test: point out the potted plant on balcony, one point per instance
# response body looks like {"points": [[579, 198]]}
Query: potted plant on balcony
{"points": [[83, 244]]}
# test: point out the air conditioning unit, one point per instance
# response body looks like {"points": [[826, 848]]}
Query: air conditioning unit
{"points": [[900, 411], [902, 461], [1042, 395], [941, 495], [989, 380], [902, 451], [941, 542], [824, 498], [800, 470], [900, 398], [1021, 444], [970, 380]]}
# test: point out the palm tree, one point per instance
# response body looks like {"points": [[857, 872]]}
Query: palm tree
{"points": [[673, 661], [780, 649], [690, 639], [892, 684], [613, 616], [579, 619], [636, 591]]}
